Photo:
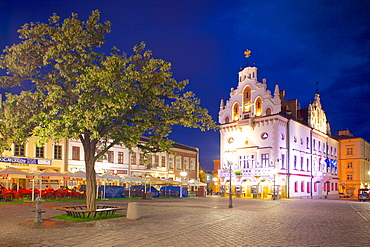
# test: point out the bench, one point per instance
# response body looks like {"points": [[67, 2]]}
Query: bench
{"points": [[80, 211]]}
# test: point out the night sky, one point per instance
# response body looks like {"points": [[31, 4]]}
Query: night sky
{"points": [[296, 43]]}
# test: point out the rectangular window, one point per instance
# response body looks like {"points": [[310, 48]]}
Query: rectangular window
{"points": [[302, 186], [58, 152], [156, 161], [186, 164], [75, 153], [295, 162], [315, 187], [133, 159], [18, 150], [120, 157], [349, 150], [192, 164], [141, 159], [349, 177], [178, 163], [349, 165], [308, 187], [308, 142], [170, 161], [110, 155], [39, 152], [283, 161], [295, 186], [163, 161], [302, 164], [265, 160], [308, 164]]}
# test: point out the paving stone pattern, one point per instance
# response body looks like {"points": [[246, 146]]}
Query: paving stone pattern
{"points": [[197, 222]]}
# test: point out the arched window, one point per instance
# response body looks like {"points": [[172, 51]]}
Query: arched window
{"points": [[258, 107], [247, 99], [235, 112], [227, 120], [268, 111]]}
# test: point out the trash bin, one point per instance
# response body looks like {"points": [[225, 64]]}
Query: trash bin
{"points": [[148, 196]]}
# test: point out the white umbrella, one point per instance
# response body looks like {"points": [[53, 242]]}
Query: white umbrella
{"points": [[49, 174], [133, 180], [109, 177], [14, 172]]}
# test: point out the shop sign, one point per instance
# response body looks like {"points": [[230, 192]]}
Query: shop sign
{"points": [[25, 161]]}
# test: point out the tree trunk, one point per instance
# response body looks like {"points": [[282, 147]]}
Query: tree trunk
{"points": [[90, 176]]}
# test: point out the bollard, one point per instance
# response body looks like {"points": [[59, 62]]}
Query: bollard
{"points": [[133, 211], [38, 210]]}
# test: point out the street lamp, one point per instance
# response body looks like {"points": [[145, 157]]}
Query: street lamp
{"points": [[183, 175], [274, 171], [230, 188]]}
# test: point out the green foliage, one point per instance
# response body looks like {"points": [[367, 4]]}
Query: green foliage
{"points": [[103, 100], [103, 217], [238, 172]]}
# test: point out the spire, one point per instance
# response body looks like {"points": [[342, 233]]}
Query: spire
{"points": [[222, 104], [277, 91], [317, 87]]}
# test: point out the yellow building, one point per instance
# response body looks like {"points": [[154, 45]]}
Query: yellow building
{"points": [[30, 158], [354, 163]]}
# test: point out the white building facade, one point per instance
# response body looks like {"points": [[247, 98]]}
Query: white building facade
{"points": [[270, 148], [122, 161]]}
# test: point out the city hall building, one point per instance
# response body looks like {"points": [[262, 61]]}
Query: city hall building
{"points": [[270, 148]]}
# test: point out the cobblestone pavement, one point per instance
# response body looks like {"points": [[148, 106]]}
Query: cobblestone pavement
{"points": [[197, 222]]}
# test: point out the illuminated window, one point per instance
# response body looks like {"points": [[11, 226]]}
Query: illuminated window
{"points": [[247, 99], [133, 159], [235, 112], [163, 161], [258, 107], [120, 157]]}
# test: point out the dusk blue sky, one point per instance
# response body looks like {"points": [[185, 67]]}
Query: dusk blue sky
{"points": [[296, 43]]}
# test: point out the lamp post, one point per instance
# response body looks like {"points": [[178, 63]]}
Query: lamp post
{"points": [[274, 196], [230, 188], [183, 175]]}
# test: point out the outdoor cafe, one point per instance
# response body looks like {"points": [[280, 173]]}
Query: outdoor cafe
{"points": [[16, 184]]}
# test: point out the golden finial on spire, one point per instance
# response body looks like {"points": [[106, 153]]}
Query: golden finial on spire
{"points": [[247, 53]]}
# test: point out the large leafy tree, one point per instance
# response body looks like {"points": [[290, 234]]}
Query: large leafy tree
{"points": [[102, 100]]}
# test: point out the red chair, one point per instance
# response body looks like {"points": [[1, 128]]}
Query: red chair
{"points": [[7, 196]]}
